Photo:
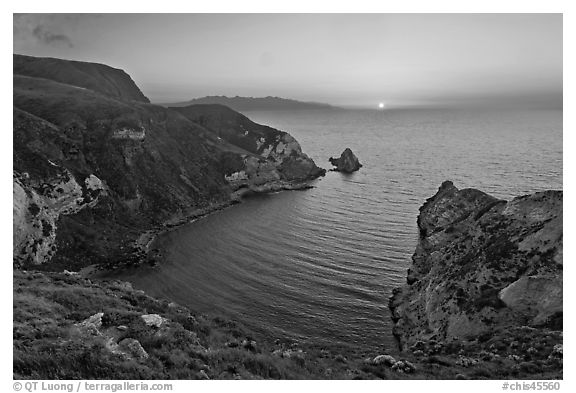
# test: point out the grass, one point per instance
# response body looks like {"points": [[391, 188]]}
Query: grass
{"points": [[48, 345], [97, 77]]}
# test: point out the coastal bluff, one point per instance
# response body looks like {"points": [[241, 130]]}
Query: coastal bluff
{"points": [[101, 78], [482, 267], [96, 166]]}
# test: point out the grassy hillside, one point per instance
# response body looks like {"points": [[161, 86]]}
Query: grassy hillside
{"points": [[97, 77], [229, 125], [55, 339]]}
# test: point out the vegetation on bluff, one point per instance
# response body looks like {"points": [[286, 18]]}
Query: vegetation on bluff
{"points": [[155, 164], [59, 333]]}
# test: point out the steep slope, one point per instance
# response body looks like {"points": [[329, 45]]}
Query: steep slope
{"points": [[482, 266], [255, 103], [152, 163], [283, 155], [92, 173], [68, 327], [97, 77]]}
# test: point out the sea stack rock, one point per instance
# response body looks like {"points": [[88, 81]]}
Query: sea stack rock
{"points": [[347, 162], [481, 266]]}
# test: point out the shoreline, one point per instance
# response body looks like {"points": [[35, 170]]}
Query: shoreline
{"points": [[143, 250]]}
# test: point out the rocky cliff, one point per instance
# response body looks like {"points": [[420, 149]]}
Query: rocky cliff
{"points": [[482, 265], [94, 169], [270, 157]]}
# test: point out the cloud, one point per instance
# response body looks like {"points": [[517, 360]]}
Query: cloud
{"points": [[50, 38], [54, 30]]}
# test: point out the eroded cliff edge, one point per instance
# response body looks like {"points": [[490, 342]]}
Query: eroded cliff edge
{"points": [[482, 266], [96, 166]]}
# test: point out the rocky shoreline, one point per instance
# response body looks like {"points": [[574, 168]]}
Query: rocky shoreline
{"points": [[129, 330], [143, 245], [486, 272], [125, 325], [143, 250]]}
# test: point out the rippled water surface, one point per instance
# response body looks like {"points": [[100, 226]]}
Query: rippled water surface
{"points": [[319, 265]]}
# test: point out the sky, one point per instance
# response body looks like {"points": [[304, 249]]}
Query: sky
{"points": [[341, 59]]}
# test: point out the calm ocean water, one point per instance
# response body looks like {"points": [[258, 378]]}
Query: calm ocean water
{"points": [[319, 265]]}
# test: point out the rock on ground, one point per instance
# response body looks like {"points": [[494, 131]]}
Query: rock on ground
{"points": [[153, 320]]}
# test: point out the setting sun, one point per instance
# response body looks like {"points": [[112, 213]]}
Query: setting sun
{"points": [[381, 105]]}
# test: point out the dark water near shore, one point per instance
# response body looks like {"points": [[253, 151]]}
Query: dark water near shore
{"points": [[319, 265]]}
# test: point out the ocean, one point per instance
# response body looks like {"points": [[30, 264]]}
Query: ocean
{"points": [[319, 265]]}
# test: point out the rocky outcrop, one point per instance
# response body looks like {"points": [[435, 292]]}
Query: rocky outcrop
{"points": [[481, 264], [153, 320], [347, 162], [273, 159], [37, 207], [96, 167], [130, 347]]}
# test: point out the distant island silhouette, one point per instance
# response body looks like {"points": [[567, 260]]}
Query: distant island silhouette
{"points": [[255, 103]]}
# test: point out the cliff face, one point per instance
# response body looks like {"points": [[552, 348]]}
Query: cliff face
{"points": [[37, 210], [271, 157], [482, 264], [100, 169]]}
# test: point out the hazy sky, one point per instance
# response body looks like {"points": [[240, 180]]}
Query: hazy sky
{"points": [[350, 59]]}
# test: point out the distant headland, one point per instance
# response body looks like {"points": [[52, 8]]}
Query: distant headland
{"points": [[255, 103]]}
